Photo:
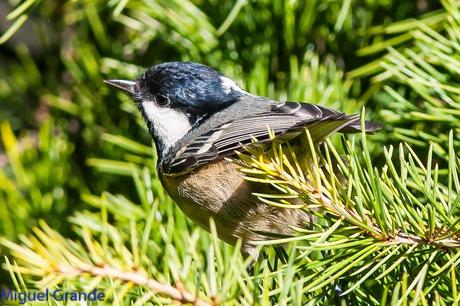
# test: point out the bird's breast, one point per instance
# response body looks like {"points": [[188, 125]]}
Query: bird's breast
{"points": [[218, 190]]}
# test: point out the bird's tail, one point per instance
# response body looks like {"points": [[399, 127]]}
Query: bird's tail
{"points": [[355, 127]]}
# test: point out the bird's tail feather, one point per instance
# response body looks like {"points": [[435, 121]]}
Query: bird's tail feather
{"points": [[355, 127], [323, 129]]}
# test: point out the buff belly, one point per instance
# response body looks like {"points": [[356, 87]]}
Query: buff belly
{"points": [[218, 190]]}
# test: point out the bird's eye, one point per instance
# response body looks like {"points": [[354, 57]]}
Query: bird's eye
{"points": [[162, 100]]}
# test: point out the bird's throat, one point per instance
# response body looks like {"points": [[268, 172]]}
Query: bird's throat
{"points": [[167, 125]]}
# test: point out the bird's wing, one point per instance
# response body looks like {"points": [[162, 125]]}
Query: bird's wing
{"points": [[287, 119]]}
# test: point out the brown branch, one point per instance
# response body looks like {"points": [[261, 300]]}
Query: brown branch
{"points": [[400, 238], [340, 210], [138, 278]]}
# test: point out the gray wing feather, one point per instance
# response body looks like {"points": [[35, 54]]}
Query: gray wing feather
{"points": [[284, 118]]}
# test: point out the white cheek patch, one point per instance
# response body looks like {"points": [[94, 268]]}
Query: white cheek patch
{"points": [[228, 85], [170, 125]]}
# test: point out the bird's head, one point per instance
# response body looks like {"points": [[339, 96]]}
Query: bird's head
{"points": [[176, 96]]}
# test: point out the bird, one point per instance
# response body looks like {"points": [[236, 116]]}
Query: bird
{"points": [[200, 120]]}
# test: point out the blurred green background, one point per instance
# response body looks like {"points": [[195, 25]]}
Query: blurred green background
{"points": [[58, 120], [54, 102]]}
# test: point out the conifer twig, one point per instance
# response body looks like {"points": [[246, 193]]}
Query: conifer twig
{"points": [[182, 296], [401, 237]]}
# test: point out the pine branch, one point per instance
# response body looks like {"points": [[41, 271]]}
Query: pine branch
{"points": [[65, 262], [372, 226], [138, 278], [275, 168], [377, 233]]}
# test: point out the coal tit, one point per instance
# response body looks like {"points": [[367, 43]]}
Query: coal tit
{"points": [[198, 119]]}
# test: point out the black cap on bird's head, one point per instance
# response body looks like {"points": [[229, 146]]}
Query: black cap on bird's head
{"points": [[175, 96], [183, 85], [189, 85]]}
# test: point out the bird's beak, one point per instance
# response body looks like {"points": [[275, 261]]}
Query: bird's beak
{"points": [[125, 85]]}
